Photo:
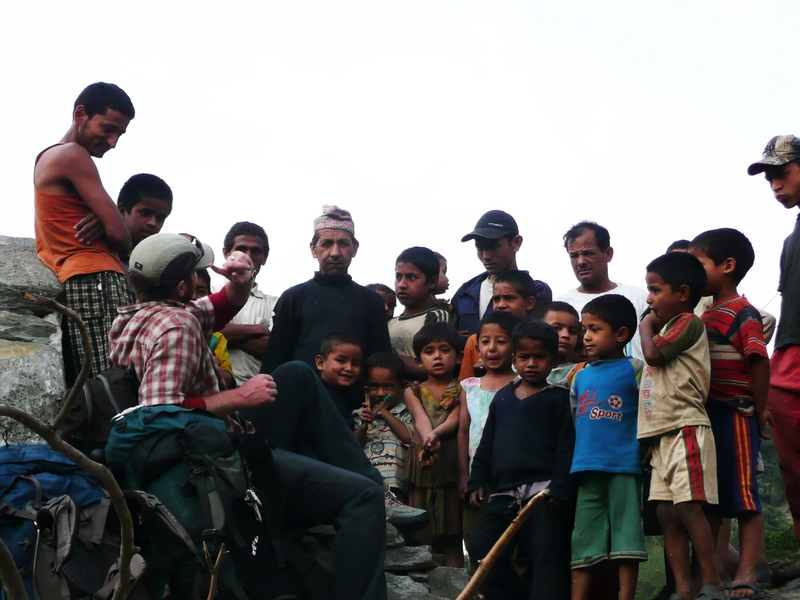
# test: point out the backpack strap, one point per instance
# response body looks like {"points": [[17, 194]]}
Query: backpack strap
{"points": [[60, 515], [112, 577], [111, 397]]}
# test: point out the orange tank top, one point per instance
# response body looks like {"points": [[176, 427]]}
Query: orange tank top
{"points": [[55, 216]]}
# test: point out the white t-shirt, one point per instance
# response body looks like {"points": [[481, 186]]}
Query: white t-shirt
{"points": [[637, 296], [485, 299]]}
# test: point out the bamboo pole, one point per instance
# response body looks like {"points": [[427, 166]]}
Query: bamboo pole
{"points": [[486, 564]]}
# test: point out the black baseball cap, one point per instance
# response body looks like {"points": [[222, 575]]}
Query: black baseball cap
{"points": [[494, 224]]}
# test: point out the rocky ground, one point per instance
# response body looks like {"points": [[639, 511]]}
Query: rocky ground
{"points": [[412, 572]]}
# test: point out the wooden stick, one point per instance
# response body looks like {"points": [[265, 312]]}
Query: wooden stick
{"points": [[486, 564], [369, 406], [378, 409], [214, 568]]}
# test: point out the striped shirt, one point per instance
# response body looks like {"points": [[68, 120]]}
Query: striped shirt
{"points": [[734, 336]]}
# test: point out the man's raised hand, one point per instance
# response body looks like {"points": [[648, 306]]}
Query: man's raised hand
{"points": [[238, 268]]}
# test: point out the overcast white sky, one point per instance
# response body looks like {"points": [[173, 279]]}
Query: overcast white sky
{"points": [[420, 116]]}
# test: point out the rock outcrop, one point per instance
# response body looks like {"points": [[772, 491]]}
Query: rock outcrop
{"points": [[31, 360]]}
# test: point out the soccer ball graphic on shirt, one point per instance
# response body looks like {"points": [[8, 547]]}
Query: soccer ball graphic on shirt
{"points": [[615, 402]]}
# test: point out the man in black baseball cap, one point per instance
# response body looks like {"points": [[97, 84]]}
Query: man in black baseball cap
{"points": [[497, 241]]}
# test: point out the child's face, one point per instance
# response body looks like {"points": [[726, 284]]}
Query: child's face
{"points": [[381, 382], [715, 273], [410, 285], [494, 346], [342, 366], [785, 183], [200, 289], [389, 303], [444, 282], [663, 301], [601, 341], [568, 328], [438, 359], [146, 217], [533, 361], [505, 297]]}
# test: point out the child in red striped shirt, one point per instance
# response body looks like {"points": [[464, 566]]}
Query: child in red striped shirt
{"points": [[737, 401]]}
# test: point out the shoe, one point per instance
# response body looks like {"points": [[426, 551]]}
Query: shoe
{"points": [[402, 515]]}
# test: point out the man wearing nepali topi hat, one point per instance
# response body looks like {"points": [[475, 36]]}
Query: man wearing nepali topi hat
{"points": [[331, 302]]}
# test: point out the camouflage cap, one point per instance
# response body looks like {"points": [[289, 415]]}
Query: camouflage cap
{"points": [[780, 150]]}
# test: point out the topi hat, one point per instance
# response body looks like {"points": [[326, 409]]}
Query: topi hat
{"points": [[333, 217]]}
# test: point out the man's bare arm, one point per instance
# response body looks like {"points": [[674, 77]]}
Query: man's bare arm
{"points": [[72, 164]]}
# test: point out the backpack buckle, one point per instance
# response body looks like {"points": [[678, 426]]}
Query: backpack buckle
{"points": [[255, 503]]}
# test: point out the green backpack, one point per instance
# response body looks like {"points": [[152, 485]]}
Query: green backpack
{"points": [[221, 487]]}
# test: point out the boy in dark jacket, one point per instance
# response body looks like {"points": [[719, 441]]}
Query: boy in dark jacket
{"points": [[527, 447]]}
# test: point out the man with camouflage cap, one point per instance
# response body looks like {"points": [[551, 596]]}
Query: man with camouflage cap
{"points": [[780, 164]]}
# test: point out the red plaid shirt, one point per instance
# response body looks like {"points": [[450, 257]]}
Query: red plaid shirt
{"points": [[166, 343]]}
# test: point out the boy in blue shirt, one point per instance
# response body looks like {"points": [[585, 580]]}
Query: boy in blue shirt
{"points": [[605, 401]]}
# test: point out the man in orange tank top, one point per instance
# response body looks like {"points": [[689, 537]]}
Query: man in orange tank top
{"points": [[80, 232]]}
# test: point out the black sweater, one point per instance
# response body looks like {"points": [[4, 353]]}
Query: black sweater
{"points": [[527, 440], [308, 312]]}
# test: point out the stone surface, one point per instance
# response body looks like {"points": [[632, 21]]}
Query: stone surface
{"points": [[32, 379], [393, 537], [21, 271], [15, 327], [447, 582], [407, 558], [784, 593], [419, 576], [404, 588]]}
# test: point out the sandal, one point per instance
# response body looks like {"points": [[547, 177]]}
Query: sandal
{"points": [[757, 593], [709, 592], [786, 573]]}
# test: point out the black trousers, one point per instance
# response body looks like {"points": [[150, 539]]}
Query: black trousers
{"points": [[327, 478], [545, 536]]}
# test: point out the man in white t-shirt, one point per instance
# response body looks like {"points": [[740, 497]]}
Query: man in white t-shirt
{"points": [[590, 251], [248, 332]]}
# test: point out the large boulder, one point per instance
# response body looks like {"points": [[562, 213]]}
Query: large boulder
{"points": [[21, 271], [31, 379]]}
